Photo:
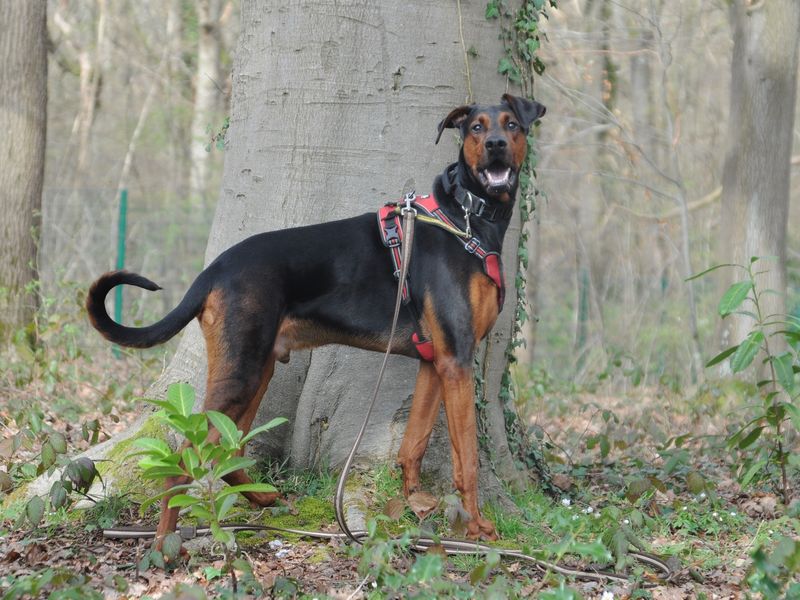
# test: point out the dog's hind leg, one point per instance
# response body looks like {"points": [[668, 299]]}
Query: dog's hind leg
{"points": [[424, 410], [240, 365], [244, 424]]}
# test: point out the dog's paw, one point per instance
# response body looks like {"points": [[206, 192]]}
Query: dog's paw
{"points": [[262, 499], [481, 529]]}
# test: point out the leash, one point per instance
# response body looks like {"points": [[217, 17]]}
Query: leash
{"points": [[451, 546]]}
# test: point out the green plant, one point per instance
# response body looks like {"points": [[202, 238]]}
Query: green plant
{"points": [[392, 566], [203, 459], [760, 443], [50, 582], [774, 575]]}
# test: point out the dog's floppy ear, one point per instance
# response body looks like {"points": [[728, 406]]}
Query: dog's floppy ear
{"points": [[454, 119], [527, 111]]}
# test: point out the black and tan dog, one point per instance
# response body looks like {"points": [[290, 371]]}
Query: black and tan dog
{"points": [[333, 283]]}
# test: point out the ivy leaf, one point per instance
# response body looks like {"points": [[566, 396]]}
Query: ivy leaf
{"points": [[746, 351]]}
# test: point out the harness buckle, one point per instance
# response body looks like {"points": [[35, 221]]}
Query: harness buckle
{"points": [[392, 236], [472, 245]]}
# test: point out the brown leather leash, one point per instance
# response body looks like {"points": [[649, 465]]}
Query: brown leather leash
{"points": [[451, 546]]}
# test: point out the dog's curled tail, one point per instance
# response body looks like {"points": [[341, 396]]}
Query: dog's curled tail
{"points": [[141, 337]]}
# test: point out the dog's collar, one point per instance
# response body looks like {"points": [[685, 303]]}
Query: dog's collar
{"points": [[472, 203]]}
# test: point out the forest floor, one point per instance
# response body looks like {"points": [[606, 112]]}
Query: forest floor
{"points": [[645, 467]]}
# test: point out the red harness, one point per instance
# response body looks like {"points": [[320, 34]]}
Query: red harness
{"points": [[389, 224]]}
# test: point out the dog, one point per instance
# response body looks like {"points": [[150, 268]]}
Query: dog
{"points": [[335, 283]]}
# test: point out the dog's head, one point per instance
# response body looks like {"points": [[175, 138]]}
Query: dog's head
{"points": [[494, 141]]}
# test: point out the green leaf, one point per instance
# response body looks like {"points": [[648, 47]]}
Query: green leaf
{"points": [[157, 497], [228, 432], [637, 487], [709, 270], [265, 427], [246, 487], [750, 438], [162, 472], [695, 482], [58, 495], [221, 535], [157, 558], [746, 351], [181, 398], [191, 461], [48, 455], [154, 446], [34, 510], [224, 505], [783, 371], [182, 500], [754, 468], [232, 464], [59, 442], [171, 546], [733, 297], [794, 415]]}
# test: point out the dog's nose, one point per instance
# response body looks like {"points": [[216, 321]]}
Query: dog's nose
{"points": [[496, 144]]}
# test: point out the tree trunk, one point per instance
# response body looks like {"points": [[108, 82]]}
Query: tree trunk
{"points": [[755, 179], [23, 121], [206, 96]]}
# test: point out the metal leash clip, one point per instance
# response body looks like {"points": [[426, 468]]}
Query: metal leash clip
{"points": [[409, 200]]}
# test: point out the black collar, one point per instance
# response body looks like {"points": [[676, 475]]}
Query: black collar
{"points": [[472, 203]]}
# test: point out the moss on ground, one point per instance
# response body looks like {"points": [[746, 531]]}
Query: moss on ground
{"points": [[121, 467]]}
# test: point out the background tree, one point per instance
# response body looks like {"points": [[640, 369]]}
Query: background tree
{"points": [[23, 121], [755, 178]]}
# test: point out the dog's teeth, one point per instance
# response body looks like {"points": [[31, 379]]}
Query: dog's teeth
{"points": [[498, 178]]}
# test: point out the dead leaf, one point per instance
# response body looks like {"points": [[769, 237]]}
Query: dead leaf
{"points": [[422, 503], [36, 554], [562, 482], [394, 508]]}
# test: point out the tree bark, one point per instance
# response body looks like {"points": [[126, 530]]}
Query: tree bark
{"points": [[334, 112], [755, 179], [23, 121]]}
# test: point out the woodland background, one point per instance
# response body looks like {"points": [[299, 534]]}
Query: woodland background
{"points": [[633, 160], [638, 95]]}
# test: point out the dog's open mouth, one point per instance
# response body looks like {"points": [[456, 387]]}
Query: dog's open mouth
{"points": [[496, 178]]}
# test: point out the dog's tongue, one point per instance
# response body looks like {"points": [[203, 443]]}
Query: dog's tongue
{"points": [[498, 178]]}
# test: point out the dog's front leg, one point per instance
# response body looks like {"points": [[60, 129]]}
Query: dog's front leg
{"points": [[459, 405], [424, 410]]}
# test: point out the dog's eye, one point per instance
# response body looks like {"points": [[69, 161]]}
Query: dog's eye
{"points": [[477, 128], [513, 125]]}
